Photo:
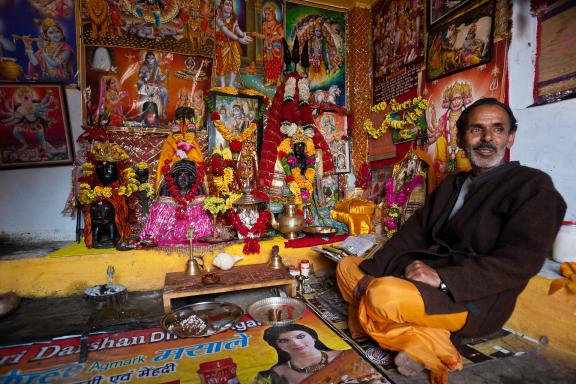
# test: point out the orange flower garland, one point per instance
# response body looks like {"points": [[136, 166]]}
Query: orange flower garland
{"points": [[301, 186]]}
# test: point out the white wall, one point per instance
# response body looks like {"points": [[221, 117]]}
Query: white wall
{"points": [[31, 200], [546, 137]]}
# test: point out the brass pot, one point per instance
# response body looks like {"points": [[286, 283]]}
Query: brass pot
{"points": [[289, 222]]}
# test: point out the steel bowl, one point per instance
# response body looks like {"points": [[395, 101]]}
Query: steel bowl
{"points": [[277, 310]]}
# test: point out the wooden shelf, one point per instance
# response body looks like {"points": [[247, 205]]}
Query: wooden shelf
{"points": [[177, 285]]}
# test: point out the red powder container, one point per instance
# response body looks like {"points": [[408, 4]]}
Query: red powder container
{"points": [[218, 372]]}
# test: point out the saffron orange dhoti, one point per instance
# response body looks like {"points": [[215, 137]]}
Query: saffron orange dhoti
{"points": [[392, 313]]}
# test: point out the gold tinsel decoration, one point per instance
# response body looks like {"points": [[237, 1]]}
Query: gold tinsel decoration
{"points": [[360, 85]]}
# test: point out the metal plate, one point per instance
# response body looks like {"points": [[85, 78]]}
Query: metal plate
{"points": [[277, 310], [202, 319], [320, 231]]}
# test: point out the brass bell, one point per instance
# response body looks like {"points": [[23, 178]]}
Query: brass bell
{"points": [[275, 261], [193, 268]]}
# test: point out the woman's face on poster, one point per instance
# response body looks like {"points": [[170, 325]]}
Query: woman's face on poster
{"points": [[295, 342]]}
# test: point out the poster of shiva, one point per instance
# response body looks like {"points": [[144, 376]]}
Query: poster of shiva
{"points": [[263, 69], [185, 27], [140, 88], [38, 41], [325, 32]]}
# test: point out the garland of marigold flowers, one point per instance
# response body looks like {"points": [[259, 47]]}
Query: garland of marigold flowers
{"points": [[251, 235], [403, 114], [301, 187], [222, 167], [235, 142], [396, 200], [194, 191], [127, 185]]}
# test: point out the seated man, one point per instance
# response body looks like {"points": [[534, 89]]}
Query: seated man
{"points": [[458, 264]]}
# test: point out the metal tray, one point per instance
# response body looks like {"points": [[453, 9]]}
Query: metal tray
{"points": [[202, 319], [320, 231], [277, 310]]}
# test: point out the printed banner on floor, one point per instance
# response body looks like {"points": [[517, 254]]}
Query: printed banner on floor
{"points": [[243, 354]]}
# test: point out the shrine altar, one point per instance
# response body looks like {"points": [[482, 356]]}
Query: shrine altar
{"points": [[72, 269]]}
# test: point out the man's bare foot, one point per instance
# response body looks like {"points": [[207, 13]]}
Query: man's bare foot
{"points": [[406, 366]]}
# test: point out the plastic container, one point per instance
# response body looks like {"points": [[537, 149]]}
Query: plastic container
{"points": [[218, 372], [565, 244], [305, 268]]}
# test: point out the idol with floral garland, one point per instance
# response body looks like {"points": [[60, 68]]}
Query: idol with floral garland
{"points": [[180, 186], [106, 182], [405, 191], [291, 144]]}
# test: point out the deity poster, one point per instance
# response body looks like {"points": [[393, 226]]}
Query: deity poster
{"points": [[38, 41], [449, 96], [34, 129], [325, 31], [263, 69], [139, 88], [234, 42], [185, 27], [398, 46], [334, 128]]}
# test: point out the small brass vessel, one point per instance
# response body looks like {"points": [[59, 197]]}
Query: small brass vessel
{"points": [[289, 222]]}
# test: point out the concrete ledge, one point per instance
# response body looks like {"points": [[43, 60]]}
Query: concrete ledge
{"points": [[144, 270]]}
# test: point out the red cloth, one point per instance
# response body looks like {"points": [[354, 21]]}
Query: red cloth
{"points": [[309, 241]]}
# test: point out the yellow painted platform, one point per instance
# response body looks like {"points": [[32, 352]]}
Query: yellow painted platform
{"points": [[72, 269], [538, 314]]}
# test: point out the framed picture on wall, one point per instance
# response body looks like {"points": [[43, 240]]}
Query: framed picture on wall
{"points": [[439, 9], [236, 112], [324, 29], [379, 177], [333, 125], [462, 43], [34, 126]]}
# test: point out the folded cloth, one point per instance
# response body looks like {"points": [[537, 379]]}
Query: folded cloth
{"points": [[357, 213], [309, 241]]}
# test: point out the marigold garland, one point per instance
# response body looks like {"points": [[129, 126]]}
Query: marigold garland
{"points": [[128, 184], [222, 167], [402, 115], [301, 187], [228, 136], [251, 235]]}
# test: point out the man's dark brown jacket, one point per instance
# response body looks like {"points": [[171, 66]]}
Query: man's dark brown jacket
{"points": [[487, 252]]}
